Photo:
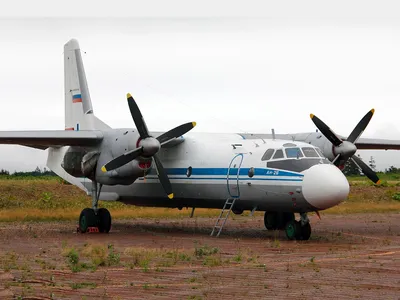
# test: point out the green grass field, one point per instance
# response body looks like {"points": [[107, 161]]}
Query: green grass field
{"points": [[48, 198]]}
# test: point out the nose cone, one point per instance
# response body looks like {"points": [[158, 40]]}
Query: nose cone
{"points": [[324, 186]]}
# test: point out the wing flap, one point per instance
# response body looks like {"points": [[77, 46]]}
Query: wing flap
{"points": [[51, 138]]}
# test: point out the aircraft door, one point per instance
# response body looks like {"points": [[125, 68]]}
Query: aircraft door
{"points": [[233, 175]]}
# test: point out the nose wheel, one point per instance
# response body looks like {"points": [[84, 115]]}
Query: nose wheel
{"points": [[95, 219], [298, 230], [295, 230]]}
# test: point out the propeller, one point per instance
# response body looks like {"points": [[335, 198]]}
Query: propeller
{"points": [[346, 149], [148, 146]]}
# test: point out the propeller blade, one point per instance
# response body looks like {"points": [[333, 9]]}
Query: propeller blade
{"points": [[335, 159], [176, 132], [137, 117], [162, 175], [365, 169], [359, 129], [122, 159], [326, 131]]}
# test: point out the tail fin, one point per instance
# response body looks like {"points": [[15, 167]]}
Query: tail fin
{"points": [[78, 105]]}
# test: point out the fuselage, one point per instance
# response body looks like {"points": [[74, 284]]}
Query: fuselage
{"points": [[269, 175]]}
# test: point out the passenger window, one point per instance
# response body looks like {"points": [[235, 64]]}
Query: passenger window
{"points": [[293, 152], [309, 152], [278, 154], [267, 155]]}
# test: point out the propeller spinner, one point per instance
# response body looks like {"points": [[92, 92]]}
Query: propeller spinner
{"points": [[345, 149], [148, 146]]}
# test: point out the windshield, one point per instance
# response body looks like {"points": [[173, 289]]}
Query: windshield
{"points": [[309, 152], [293, 152]]}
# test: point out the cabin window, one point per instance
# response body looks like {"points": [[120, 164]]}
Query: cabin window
{"points": [[309, 152], [251, 172], [268, 154], [293, 152], [278, 154], [189, 172]]}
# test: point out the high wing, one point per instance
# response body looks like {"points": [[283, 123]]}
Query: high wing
{"points": [[378, 144], [51, 138]]}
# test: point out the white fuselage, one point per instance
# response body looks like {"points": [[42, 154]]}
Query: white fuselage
{"points": [[206, 169]]}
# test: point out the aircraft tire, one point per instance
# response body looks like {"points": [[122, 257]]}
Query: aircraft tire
{"points": [[305, 232], [104, 220], [87, 219], [293, 230], [270, 219], [282, 218]]}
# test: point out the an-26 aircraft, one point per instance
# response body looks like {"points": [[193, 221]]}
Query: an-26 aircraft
{"points": [[179, 168]]}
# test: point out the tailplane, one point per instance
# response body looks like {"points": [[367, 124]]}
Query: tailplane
{"points": [[78, 105]]}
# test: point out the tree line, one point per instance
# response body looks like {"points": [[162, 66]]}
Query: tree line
{"points": [[351, 169], [36, 172]]}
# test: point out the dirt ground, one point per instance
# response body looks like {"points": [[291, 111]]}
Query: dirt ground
{"points": [[347, 257]]}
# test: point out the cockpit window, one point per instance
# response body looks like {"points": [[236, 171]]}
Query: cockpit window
{"points": [[293, 152], [278, 154], [309, 152], [267, 155], [319, 152]]}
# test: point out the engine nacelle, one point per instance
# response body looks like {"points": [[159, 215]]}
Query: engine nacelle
{"points": [[72, 161], [78, 162], [328, 150]]}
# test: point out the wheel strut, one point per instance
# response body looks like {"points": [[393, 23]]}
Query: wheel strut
{"points": [[95, 196]]}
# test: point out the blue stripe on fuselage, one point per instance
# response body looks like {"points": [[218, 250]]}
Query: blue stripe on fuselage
{"points": [[232, 172]]}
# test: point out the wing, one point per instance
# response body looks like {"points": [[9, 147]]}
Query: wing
{"points": [[379, 144], [51, 138]]}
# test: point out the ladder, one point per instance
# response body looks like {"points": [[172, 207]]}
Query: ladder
{"points": [[223, 216]]}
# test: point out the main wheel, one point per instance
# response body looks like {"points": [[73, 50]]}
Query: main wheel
{"points": [[87, 219], [270, 220], [104, 218], [305, 232], [293, 230]]}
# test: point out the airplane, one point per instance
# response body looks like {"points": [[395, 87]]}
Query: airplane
{"points": [[181, 168], [337, 148]]}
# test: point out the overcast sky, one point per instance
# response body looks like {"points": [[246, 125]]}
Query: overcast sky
{"points": [[231, 66]]}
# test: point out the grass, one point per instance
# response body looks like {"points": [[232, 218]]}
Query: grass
{"points": [[49, 199]]}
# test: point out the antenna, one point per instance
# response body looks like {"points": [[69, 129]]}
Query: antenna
{"points": [[273, 133]]}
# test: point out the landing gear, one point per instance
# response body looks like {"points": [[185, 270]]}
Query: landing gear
{"points": [[277, 220], [95, 217], [104, 218], [295, 230]]}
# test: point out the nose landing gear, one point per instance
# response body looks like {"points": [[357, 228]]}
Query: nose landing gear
{"points": [[295, 230]]}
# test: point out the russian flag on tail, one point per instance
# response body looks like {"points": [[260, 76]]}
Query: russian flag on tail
{"points": [[77, 98]]}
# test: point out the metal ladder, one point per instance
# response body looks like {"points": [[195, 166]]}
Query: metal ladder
{"points": [[223, 216]]}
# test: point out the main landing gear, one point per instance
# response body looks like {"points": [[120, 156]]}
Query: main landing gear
{"points": [[295, 230], [95, 217]]}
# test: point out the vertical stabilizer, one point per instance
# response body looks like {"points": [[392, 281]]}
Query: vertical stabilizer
{"points": [[78, 105]]}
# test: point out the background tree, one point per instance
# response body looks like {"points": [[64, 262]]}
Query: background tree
{"points": [[372, 163], [351, 169]]}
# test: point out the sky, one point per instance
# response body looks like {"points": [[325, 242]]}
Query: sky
{"points": [[231, 66]]}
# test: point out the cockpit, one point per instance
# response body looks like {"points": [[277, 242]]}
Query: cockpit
{"points": [[294, 158]]}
